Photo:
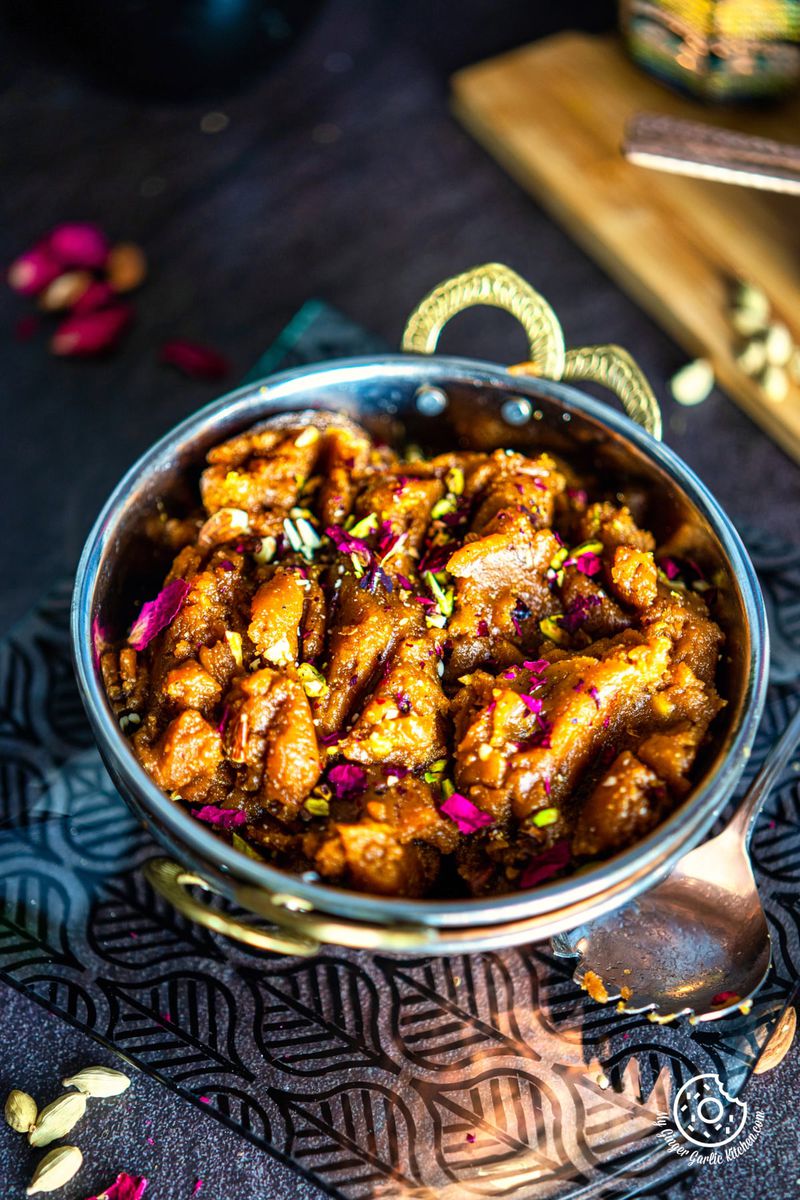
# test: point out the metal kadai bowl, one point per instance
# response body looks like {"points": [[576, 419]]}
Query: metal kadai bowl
{"points": [[438, 402]]}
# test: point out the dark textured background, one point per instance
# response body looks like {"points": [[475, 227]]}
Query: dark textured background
{"points": [[341, 175]]}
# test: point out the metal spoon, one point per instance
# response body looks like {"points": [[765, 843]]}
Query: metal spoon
{"points": [[697, 944]]}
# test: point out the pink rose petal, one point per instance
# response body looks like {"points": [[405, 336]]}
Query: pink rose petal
{"points": [[79, 244], [588, 563], [194, 360], [223, 818], [467, 816], [546, 865], [33, 271], [124, 1187], [532, 703], [669, 567], [87, 333], [346, 779], [99, 294], [158, 614]]}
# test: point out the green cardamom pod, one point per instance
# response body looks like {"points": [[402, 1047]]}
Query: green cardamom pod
{"points": [[57, 1119], [20, 1111], [98, 1081], [56, 1168]]}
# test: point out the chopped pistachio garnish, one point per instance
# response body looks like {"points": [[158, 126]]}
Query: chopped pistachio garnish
{"points": [[435, 771], [365, 526], [442, 507], [454, 481], [587, 548], [443, 597], [313, 681], [317, 806], [545, 817], [244, 847], [551, 629]]}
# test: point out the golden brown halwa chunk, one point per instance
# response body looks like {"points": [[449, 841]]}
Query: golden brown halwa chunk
{"points": [[613, 527], [270, 736], [403, 722], [191, 687], [364, 629], [276, 615], [395, 845], [262, 472], [626, 804], [634, 576], [185, 758]]}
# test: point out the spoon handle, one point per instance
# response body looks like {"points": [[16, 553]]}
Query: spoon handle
{"points": [[745, 816]]}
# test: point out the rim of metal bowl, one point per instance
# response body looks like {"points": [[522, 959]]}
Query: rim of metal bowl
{"points": [[640, 862]]}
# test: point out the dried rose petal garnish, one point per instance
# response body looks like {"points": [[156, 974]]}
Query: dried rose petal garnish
{"points": [[124, 1187], [158, 614], [88, 333], [346, 779], [588, 563], [467, 816], [669, 567], [100, 638], [546, 865], [33, 271], [194, 360], [99, 294], [223, 818], [79, 245]]}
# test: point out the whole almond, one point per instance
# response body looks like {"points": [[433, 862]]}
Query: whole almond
{"points": [[64, 291], [126, 267], [98, 1081], [20, 1111], [57, 1119], [54, 1170]]}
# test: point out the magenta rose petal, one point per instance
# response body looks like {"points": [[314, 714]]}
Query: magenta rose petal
{"points": [[194, 360], [467, 816], [99, 294], [124, 1187], [84, 334], [158, 614], [33, 271], [546, 865], [79, 244], [346, 779], [223, 818]]}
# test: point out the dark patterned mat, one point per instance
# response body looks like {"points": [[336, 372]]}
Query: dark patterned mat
{"points": [[484, 1075]]}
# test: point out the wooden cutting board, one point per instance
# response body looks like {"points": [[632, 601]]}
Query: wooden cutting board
{"points": [[553, 114]]}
